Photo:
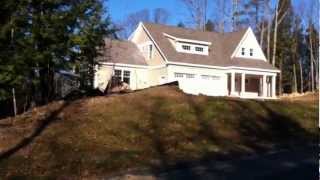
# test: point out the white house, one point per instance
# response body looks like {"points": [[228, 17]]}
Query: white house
{"points": [[209, 63]]}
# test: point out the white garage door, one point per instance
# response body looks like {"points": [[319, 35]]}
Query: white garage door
{"points": [[212, 85]]}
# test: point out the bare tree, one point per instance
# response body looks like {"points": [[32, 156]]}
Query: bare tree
{"points": [[312, 38], [160, 16], [197, 10], [277, 21], [132, 20], [221, 14], [269, 26]]}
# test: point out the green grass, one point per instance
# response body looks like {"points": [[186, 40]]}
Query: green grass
{"points": [[152, 128]]}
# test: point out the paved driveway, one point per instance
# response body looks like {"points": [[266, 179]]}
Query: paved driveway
{"points": [[299, 164]]}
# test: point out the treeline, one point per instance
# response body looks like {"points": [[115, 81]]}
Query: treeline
{"points": [[41, 37], [288, 35]]}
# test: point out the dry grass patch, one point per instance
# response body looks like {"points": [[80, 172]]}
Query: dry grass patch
{"points": [[152, 128]]}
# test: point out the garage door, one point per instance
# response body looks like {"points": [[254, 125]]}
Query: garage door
{"points": [[212, 85]]}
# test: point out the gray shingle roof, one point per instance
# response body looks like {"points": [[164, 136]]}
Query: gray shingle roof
{"points": [[220, 50], [124, 52]]}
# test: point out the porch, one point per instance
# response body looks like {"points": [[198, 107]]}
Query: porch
{"points": [[255, 85]]}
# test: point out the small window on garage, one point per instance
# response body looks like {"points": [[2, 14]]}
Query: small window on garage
{"points": [[251, 52], [215, 77], [126, 77], [190, 76], [206, 77], [178, 75]]}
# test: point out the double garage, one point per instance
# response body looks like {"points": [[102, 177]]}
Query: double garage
{"points": [[212, 82]]}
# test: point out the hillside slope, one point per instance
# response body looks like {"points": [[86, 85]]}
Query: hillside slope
{"points": [[157, 127]]}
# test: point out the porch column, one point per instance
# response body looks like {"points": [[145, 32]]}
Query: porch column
{"points": [[232, 83], [264, 86], [273, 86], [243, 84]]}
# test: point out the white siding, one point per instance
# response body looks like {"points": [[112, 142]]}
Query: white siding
{"points": [[212, 86], [158, 76], [138, 76], [248, 42]]}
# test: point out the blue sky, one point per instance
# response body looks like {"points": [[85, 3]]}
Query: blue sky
{"points": [[119, 9]]}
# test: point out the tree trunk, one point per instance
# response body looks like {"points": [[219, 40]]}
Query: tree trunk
{"points": [[301, 76], [311, 58], [280, 77], [275, 39], [268, 40], [295, 86], [14, 102], [262, 34], [312, 76]]}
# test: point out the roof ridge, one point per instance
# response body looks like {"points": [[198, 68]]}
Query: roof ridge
{"points": [[195, 30]]}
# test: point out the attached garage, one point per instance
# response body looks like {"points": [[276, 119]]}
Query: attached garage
{"points": [[196, 81]]}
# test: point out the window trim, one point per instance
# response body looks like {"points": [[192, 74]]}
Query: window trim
{"points": [[199, 49], [122, 75], [186, 47]]}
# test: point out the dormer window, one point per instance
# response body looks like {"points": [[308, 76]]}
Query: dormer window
{"points": [[243, 51], [191, 46], [199, 49], [186, 47], [251, 52]]}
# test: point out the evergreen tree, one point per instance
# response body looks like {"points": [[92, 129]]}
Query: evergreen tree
{"points": [[181, 25], [40, 37], [284, 54], [209, 26]]}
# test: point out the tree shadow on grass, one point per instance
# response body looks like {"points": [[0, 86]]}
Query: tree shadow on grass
{"points": [[278, 130], [41, 126]]}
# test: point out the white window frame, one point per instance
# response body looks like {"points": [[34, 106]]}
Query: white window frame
{"points": [[199, 49], [186, 47], [190, 76], [122, 74], [193, 47], [211, 77], [178, 75], [145, 49]]}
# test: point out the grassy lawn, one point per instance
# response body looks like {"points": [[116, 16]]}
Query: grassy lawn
{"points": [[153, 128]]}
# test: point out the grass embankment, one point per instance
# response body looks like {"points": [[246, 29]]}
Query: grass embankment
{"points": [[157, 127]]}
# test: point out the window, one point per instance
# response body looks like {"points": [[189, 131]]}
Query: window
{"points": [[117, 76], [199, 49], [126, 77], [205, 77], [208, 77], [243, 51], [150, 51], [147, 51], [215, 77], [121, 76], [178, 75], [186, 47], [251, 52], [190, 76]]}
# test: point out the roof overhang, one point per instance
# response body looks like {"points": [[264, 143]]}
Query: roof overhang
{"points": [[187, 40]]}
